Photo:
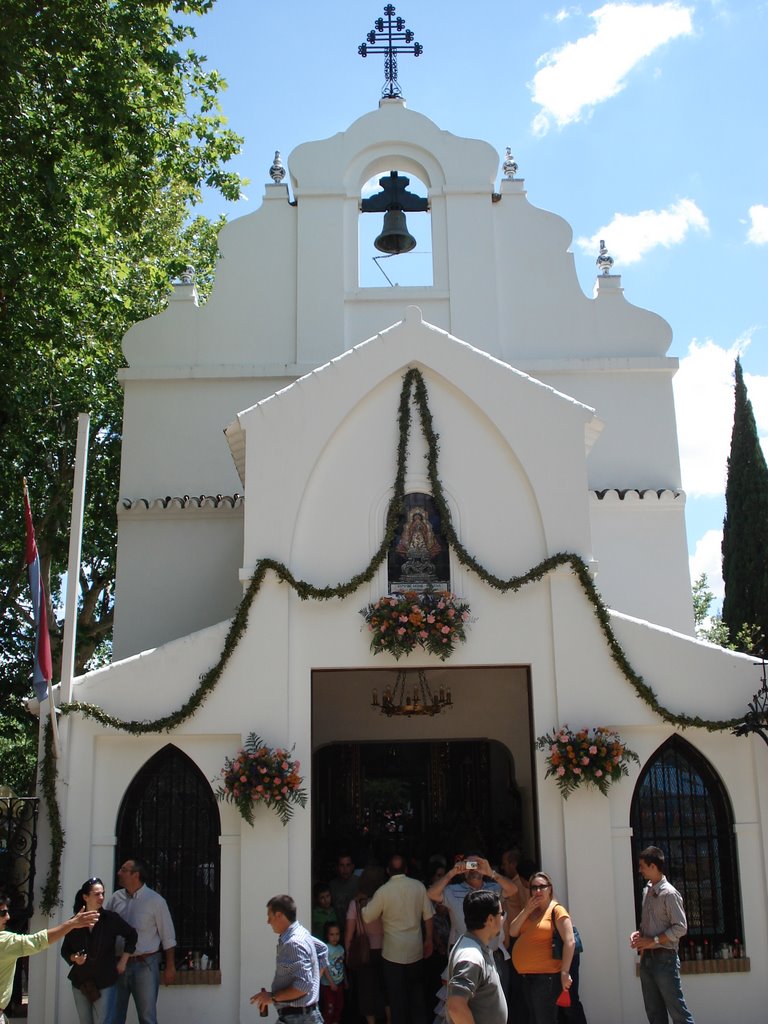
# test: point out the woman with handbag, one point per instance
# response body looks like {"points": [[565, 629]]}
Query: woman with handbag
{"points": [[363, 942], [545, 976], [91, 953]]}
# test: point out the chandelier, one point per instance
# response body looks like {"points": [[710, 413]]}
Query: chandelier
{"points": [[411, 695]]}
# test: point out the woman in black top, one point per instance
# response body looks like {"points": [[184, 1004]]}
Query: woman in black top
{"points": [[95, 965]]}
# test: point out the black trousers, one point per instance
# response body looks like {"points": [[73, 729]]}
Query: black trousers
{"points": [[405, 991]]}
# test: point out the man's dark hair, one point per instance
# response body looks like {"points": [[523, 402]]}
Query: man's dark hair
{"points": [[283, 905], [5, 901], [140, 867], [653, 855], [320, 887], [397, 865], [478, 904]]}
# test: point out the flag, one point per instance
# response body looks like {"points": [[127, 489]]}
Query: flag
{"points": [[42, 669]]}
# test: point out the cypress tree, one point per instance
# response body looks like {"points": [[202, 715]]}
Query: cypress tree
{"points": [[745, 527]]}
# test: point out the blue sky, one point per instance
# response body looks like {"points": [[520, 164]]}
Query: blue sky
{"points": [[640, 123]]}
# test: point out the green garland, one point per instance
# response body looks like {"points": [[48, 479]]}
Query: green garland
{"points": [[50, 897], [414, 390]]}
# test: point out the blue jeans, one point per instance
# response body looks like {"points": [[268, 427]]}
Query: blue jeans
{"points": [[541, 992], [312, 1017], [662, 994], [142, 981], [100, 1012]]}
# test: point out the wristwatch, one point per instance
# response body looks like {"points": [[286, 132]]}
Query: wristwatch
{"points": [[656, 940]]}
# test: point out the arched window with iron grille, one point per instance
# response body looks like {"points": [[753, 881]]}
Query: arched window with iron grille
{"points": [[681, 805], [169, 818]]}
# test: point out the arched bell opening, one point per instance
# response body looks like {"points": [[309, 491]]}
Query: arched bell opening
{"points": [[395, 232]]}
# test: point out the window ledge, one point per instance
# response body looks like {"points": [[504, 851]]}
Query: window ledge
{"points": [[198, 977], [740, 966]]}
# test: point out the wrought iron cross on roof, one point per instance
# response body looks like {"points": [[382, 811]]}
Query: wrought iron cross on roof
{"points": [[387, 36]]}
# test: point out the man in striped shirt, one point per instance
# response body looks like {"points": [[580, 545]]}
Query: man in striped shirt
{"points": [[662, 924], [295, 989]]}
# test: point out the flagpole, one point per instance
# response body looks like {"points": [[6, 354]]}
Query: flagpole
{"points": [[75, 551]]}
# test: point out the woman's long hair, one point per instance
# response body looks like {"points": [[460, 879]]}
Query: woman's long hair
{"points": [[83, 891]]}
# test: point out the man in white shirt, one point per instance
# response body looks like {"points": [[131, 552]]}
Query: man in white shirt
{"points": [[148, 912], [402, 904]]}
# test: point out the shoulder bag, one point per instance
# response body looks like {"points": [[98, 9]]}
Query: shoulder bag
{"points": [[359, 952], [557, 939]]}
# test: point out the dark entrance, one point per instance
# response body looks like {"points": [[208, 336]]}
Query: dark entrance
{"points": [[420, 798]]}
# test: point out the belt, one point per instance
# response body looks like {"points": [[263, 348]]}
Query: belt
{"points": [[138, 957], [295, 1011]]}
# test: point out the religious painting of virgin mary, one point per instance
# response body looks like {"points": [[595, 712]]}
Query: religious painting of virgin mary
{"points": [[418, 557]]}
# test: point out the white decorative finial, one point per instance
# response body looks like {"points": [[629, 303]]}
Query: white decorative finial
{"points": [[509, 166], [604, 262], [277, 171], [187, 276]]}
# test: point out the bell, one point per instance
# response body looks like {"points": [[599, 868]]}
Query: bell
{"points": [[394, 237]]}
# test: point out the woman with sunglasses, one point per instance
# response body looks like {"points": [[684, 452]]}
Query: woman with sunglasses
{"points": [[91, 955], [544, 978]]}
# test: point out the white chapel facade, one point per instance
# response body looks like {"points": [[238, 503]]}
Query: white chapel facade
{"points": [[264, 425]]}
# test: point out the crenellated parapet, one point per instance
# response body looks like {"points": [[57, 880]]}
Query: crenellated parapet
{"points": [[220, 503], [646, 497]]}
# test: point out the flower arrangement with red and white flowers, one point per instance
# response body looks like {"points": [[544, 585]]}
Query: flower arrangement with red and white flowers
{"points": [[435, 621], [257, 774], [590, 757]]}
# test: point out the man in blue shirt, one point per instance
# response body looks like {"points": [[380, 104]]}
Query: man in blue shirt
{"points": [[295, 988]]}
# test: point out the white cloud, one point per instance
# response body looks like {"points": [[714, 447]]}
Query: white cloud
{"points": [[578, 76], [703, 389], [758, 230], [630, 236], [707, 558]]}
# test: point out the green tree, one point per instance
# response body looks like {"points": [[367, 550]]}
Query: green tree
{"points": [[110, 130], [745, 528], [708, 627]]}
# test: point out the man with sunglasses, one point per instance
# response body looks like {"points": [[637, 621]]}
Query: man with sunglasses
{"points": [[475, 995], [13, 946]]}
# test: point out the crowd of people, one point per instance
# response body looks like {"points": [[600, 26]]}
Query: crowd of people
{"points": [[414, 929], [472, 944]]}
